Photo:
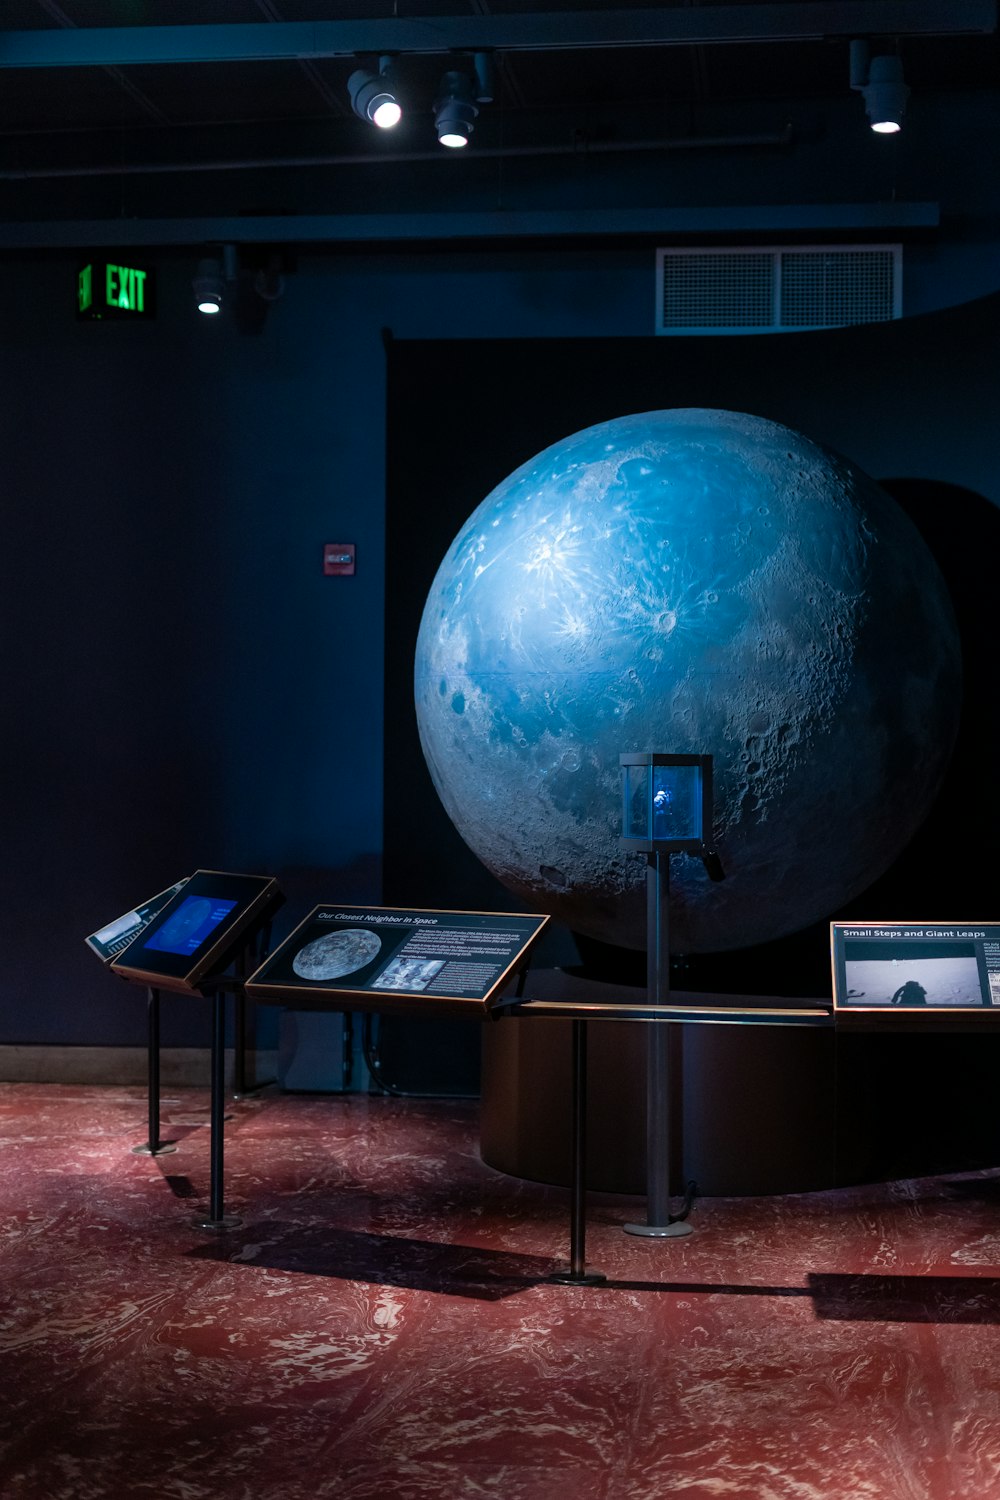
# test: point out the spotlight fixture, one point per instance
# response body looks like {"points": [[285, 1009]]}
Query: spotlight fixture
{"points": [[880, 80], [208, 285], [214, 274], [458, 99], [373, 97], [455, 110]]}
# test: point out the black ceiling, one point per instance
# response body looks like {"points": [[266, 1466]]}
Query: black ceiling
{"points": [[240, 107]]}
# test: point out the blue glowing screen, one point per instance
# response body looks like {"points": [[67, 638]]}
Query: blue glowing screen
{"points": [[190, 925]]}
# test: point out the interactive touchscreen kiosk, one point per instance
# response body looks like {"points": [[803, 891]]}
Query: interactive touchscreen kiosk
{"points": [[200, 930], [107, 942], [913, 968], [389, 959]]}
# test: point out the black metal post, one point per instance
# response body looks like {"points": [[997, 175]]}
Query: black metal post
{"points": [[244, 1035], [659, 1224], [240, 1044], [153, 1145], [217, 1218], [578, 1275]]}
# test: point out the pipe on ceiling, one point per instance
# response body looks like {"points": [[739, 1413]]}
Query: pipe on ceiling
{"points": [[775, 139]]}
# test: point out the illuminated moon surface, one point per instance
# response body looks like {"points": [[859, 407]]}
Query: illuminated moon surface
{"points": [[336, 954], [694, 582]]}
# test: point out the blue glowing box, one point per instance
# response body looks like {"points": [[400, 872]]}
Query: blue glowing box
{"points": [[667, 802]]}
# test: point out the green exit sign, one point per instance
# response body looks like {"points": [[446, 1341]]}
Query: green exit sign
{"points": [[110, 289]]}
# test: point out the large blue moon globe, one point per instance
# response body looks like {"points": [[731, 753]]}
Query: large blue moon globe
{"points": [[694, 582]]}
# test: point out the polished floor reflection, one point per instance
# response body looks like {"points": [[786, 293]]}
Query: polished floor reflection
{"points": [[380, 1325]]}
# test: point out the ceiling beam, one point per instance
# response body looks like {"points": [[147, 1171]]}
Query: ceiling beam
{"points": [[663, 26], [389, 229]]}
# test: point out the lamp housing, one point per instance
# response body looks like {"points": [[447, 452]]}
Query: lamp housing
{"points": [[455, 109], [880, 81], [886, 95], [373, 96], [208, 285]]}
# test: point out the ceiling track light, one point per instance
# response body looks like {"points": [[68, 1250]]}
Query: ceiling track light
{"points": [[880, 81], [374, 97], [459, 95], [213, 275], [208, 286]]}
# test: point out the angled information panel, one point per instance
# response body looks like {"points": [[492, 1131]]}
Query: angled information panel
{"points": [[915, 967], [108, 941], [200, 930], [391, 959]]}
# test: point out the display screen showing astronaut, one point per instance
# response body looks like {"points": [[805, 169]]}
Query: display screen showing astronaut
{"points": [[926, 967]]}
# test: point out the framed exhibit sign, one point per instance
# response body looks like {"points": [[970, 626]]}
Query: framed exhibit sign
{"points": [[391, 959], [200, 930], [107, 942], [915, 967]]}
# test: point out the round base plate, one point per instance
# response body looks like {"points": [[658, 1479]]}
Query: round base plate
{"points": [[254, 1090], [216, 1226], [163, 1149], [672, 1231], [577, 1278]]}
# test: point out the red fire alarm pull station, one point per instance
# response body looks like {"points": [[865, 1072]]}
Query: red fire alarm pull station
{"points": [[338, 559]]}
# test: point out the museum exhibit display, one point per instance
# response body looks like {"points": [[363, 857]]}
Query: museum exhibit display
{"points": [[204, 929], [666, 802], [108, 941], [715, 583], [709, 581], [425, 963], [200, 930], [893, 970], [666, 810]]}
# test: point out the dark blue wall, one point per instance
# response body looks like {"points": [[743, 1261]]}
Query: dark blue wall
{"points": [[183, 687]]}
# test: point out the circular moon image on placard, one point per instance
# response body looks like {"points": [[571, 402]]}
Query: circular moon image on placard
{"points": [[336, 954], [695, 582]]}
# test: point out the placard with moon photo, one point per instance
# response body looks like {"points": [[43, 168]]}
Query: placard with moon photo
{"points": [[387, 958]]}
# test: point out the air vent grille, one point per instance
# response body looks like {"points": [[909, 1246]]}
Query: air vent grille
{"points": [[718, 290], [761, 290]]}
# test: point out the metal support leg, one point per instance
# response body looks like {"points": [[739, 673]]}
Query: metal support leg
{"points": [[153, 1146], [578, 1275], [659, 1224], [244, 1035], [240, 1045], [217, 1218]]}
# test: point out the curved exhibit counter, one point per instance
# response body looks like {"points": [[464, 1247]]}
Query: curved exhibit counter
{"points": [[753, 1104], [757, 1109]]}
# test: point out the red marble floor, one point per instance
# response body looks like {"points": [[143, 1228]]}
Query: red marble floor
{"points": [[379, 1327]]}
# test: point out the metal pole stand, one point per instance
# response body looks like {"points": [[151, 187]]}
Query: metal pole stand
{"points": [[242, 1089], [659, 1223], [248, 960], [578, 1275], [153, 1145], [217, 1220]]}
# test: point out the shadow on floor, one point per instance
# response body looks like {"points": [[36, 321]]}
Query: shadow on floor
{"points": [[491, 1275]]}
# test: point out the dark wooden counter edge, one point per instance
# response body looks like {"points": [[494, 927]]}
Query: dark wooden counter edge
{"points": [[699, 1009], [689, 1006], [718, 1010]]}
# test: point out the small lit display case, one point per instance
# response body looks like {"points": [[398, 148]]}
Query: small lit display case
{"points": [[667, 805]]}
